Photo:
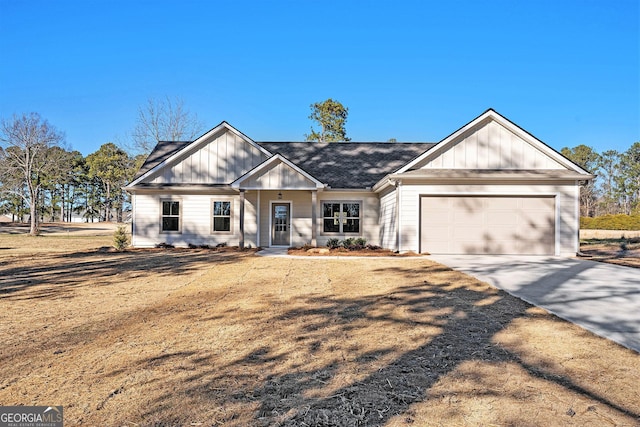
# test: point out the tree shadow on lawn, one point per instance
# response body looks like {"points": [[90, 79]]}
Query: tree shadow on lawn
{"points": [[57, 275], [327, 378]]}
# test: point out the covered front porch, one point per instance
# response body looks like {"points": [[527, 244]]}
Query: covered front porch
{"points": [[285, 205]]}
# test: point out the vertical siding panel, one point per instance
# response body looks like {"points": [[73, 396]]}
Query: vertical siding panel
{"points": [[189, 163], [481, 137], [447, 159], [494, 160], [458, 155], [223, 155], [471, 143], [516, 151], [216, 160], [505, 150]]}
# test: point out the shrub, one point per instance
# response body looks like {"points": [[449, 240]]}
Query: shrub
{"points": [[120, 238], [611, 222], [333, 243], [360, 242], [164, 245], [221, 245], [348, 243]]}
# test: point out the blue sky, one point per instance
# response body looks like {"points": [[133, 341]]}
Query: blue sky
{"points": [[566, 71]]}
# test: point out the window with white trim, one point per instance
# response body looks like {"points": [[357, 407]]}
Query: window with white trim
{"points": [[170, 216], [221, 216], [341, 217]]}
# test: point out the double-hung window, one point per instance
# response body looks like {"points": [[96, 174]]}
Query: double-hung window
{"points": [[341, 217], [221, 216], [170, 216]]}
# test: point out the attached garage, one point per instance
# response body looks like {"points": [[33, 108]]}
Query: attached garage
{"points": [[469, 224]]}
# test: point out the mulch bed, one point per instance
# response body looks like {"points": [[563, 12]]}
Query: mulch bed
{"points": [[347, 252]]}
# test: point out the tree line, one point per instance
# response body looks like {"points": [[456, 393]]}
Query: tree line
{"points": [[616, 188], [41, 180]]}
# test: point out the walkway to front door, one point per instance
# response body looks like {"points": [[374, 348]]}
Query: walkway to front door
{"points": [[281, 224]]}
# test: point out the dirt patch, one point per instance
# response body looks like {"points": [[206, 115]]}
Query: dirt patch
{"points": [[195, 337], [613, 251]]}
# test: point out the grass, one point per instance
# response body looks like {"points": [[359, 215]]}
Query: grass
{"points": [[624, 251], [195, 337]]}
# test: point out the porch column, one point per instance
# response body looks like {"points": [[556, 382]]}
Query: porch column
{"points": [[314, 217], [397, 184], [241, 244]]}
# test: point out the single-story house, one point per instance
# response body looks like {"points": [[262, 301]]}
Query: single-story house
{"points": [[488, 188]]}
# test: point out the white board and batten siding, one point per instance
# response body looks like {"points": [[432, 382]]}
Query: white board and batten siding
{"points": [[278, 176], [219, 160], [491, 146], [563, 195]]}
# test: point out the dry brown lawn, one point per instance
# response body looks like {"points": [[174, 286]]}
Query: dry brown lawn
{"points": [[198, 338], [622, 251]]}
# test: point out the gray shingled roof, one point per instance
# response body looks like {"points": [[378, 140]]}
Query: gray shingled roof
{"points": [[338, 164], [348, 164]]}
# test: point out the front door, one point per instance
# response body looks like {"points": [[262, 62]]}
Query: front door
{"points": [[280, 224]]}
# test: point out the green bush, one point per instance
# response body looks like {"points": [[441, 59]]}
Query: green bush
{"points": [[611, 222], [120, 238], [333, 243], [360, 242], [348, 243]]}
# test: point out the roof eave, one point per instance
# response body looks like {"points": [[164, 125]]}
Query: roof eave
{"points": [[498, 177]]}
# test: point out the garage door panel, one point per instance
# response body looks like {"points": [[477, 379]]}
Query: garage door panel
{"points": [[537, 221], [468, 233], [487, 225], [501, 218], [541, 203]]}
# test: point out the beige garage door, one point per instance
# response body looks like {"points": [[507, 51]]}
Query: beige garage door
{"points": [[487, 225]]}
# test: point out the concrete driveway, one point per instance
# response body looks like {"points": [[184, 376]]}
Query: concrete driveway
{"points": [[602, 298]]}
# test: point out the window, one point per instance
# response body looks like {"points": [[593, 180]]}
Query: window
{"points": [[341, 217], [221, 216], [170, 216]]}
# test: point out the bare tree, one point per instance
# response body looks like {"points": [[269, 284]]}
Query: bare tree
{"points": [[27, 157], [164, 120]]}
